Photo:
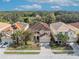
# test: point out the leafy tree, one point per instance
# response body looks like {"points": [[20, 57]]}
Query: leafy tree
{"points": [[50, 18], [27, 35], [17, 36], [62, 37], [68, 18]]}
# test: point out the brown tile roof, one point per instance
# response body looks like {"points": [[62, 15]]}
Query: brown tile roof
{"points": [[75, 24], [40, 26]]}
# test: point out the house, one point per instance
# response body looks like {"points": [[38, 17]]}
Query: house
{"points": [[41, 32], [7, 29], [63, 28], [76, 25], [21, 26]]}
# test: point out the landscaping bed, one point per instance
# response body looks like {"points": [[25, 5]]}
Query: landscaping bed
{"points": [[24, 48], [29, 46]]}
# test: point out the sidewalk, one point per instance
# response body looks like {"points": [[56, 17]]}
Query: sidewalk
{"points": [[22, 51]]}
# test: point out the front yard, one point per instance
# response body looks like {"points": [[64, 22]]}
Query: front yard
{"points": [[30, 46], [58, 49]]}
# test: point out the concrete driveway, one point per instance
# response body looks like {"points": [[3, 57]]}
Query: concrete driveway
{"points": [[45, 49], [2, 50], [75, 48]]}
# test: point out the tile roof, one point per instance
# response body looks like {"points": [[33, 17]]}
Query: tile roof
{"points": [[21, 25], [3, 26], [59, 27], [40, 26], [75, 24]]}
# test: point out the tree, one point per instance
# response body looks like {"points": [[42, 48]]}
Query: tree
{"points": [[27, 35], [62, 37], [17, 36], [50, 18], [21, 37], [68, 18]]}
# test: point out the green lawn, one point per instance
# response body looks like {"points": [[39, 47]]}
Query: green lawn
{"points": [[61, 49], [21, 52], [25, 48], [57, 47]]}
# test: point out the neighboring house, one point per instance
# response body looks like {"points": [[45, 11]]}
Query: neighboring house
{"points": [[21, 25], [61, 27], [7, 30], [41, 32], [76, 25]]}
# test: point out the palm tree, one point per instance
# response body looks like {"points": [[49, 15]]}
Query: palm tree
{"points": [[27, 35], [17, 36]]}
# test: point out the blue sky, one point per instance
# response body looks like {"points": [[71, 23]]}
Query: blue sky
{"points": [[39, 5]]}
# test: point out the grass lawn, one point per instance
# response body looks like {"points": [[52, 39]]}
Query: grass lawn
{"points": [[57, 47], [21, 52], [63, 52], [25, 48], [62, 49]]}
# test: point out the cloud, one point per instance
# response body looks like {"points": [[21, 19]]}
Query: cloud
{"points": [[56, 7], [18, 9], [58, 2], [34, 6], [29, 7], [6, 0]]}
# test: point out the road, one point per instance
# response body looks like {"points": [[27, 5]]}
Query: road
{"points": [[44, 54], [60, 56]]}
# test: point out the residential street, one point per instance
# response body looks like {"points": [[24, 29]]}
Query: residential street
{"points": [[58, 56], [45, 53]]}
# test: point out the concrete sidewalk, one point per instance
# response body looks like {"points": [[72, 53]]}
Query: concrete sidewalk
{"points": [[22, 50]]}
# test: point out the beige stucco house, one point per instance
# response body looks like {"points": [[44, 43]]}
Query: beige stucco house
{"points": [[63, 28]]}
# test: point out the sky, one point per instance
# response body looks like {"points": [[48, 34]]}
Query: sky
{"points": [[39, 5]]}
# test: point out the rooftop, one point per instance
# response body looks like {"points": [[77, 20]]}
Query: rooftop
{"points": [[3, 26], [75, 24], [40, 26], [59, 27]]}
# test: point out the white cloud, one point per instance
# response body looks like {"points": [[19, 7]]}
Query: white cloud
{"points": [[29, 7], [58, 2], [34, 6], [56, 7], [18, 9], [6, 0]]}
